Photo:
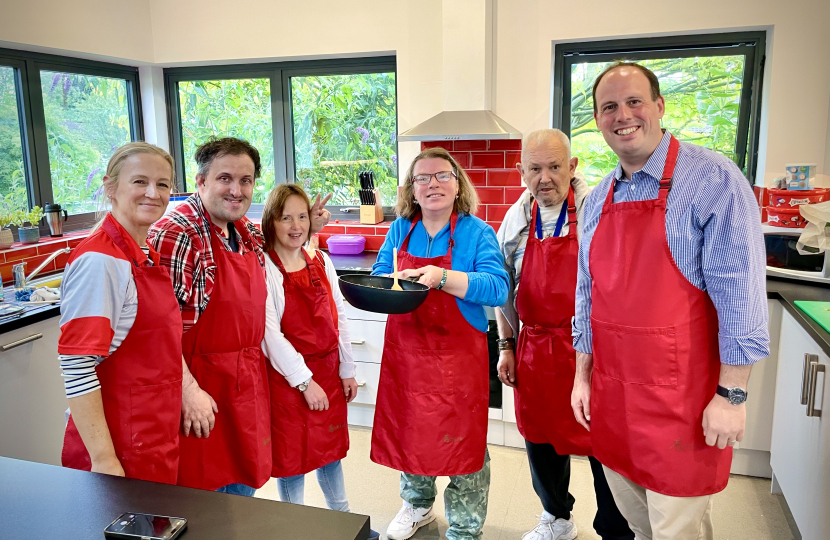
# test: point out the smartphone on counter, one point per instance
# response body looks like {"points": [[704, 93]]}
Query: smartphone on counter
{"points": [[134, 525]]}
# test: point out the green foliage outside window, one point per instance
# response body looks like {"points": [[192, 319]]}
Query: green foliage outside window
{"points": [[344, 124], [702, 97], [13, 194], [87, 119], [228, 108]]}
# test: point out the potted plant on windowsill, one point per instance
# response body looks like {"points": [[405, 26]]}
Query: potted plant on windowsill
{"points": [[7, 219], [30, 234]]}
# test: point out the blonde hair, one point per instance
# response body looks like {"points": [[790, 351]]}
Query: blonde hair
{"points": [[114, 166], [274, 207], [467, 201]]}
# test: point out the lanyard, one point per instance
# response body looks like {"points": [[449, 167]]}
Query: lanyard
{"points": [[559, 222]]}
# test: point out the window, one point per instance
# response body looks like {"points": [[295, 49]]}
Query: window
{"points": [[61, 119], [711, 85], [234, 108], [318, 123], [344, 124], [87, 118], [13, 191]]}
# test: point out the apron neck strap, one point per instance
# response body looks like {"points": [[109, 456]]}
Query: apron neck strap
{"points": [[119, 240], [315, 279], [453, 221], [569, 208], [668, 169], [667, 178]]}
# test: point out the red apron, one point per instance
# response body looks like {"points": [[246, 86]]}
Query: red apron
{"points": [[656, 356], [545, 357], [224, 353], [431, 413], [141, 382], [304, 440]]}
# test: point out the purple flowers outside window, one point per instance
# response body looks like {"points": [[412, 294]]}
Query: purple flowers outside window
{"points": [[55, 78], [89, 178], [364, 134], [395, 159]]}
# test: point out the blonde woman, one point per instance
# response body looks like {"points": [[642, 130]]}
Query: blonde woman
{"points": [[431, 414], [120, 345]]}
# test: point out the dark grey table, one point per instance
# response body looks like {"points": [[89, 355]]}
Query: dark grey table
{"points": [[42, 502]]}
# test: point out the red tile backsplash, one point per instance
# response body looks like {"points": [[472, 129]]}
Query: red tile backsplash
{"points": [[504, 177], [512, 158], [487, 160], [496, 212], [495, 225], [21, 253], [478, 177], [469, 145], [505, 144], [463, 159], [446, 145], [512, 194], [490, 195]]}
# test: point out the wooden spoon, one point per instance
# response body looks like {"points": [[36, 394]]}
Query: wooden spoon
{"points": [[395, 286]]}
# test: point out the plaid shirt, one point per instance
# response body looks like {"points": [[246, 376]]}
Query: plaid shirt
{"points": [[182, 239]]}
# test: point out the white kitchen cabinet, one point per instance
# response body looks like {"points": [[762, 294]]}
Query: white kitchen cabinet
{"points": [[32, 397], [367, 331], [800, 443]]}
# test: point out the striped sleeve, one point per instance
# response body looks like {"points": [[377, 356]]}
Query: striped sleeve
{"points": [[79, 376]]}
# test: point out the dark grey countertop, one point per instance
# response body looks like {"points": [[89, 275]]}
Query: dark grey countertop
{"points": [[788, 292], [44, 501]]}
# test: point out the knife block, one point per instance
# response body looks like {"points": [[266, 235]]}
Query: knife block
{"points": [[372, 213]]}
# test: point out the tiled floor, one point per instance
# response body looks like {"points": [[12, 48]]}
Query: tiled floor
{"points": [[745, 510]]}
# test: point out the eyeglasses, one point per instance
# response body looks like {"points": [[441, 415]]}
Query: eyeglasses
{"points": [[443, 176]]}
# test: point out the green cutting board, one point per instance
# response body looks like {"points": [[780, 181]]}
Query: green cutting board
{"points": [[819, 311]]}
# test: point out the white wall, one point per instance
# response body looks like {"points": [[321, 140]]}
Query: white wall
{"points": [[797, 73], [97, 29], [192, 32]]}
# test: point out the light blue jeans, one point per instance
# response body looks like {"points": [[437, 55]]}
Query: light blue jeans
{"points": [[330, 478], [238, 489]]}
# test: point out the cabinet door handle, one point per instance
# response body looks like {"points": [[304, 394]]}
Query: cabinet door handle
{"points": [[815, 369], [358, 341], [20, 342], [361, 384], [805, 375]]}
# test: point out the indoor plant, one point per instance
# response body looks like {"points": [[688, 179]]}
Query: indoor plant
{"points": [[6, 238], [30, 234]]}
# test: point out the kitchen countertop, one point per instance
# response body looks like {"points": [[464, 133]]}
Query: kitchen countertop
{"points": [[788, 292], [45, 501]]}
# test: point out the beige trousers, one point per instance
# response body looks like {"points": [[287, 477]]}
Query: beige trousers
{"points": [[653, 516]]}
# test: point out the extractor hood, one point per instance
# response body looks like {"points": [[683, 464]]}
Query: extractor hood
{"points": [[461, 125]]}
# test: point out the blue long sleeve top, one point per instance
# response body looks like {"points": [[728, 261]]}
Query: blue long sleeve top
{"points": [[713, 228], [476, 252]]}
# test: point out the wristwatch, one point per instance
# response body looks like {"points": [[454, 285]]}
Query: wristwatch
{"points": [[735, 396], [302, 387], [506, 344]]}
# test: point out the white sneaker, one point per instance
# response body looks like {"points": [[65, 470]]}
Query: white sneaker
{"points": [[560, 529], [409, 520]]}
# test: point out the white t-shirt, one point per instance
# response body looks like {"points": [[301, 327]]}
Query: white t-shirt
{"points": [[282, 355]]}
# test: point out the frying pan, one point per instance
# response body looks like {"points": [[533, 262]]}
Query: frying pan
{"points": [[374, 293]]}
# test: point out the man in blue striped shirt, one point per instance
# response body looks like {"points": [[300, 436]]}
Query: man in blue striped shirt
{"points": [[664, 450]]}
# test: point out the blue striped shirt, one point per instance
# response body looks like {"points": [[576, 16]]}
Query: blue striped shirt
{"points": [[713, 227]]}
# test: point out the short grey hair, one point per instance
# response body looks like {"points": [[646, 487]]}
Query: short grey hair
{"points": [[542, 136]]}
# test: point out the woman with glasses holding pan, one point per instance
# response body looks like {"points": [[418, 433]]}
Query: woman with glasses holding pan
{"points": [[431, 413]]}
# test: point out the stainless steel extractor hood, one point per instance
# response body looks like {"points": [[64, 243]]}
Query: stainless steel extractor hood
{"points": [[461, 125]]}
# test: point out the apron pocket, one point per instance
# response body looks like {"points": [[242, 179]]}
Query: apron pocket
{"points": [[155, 415], [421, 371], [636, 354], [227, 377]]}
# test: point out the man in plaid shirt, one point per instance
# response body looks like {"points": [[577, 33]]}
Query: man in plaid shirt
{"points": [[214, 253]]}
